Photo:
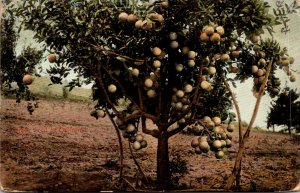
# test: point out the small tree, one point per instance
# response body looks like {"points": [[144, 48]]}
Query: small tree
{"points": [[16, 70], [169, 59], [285, 110]]}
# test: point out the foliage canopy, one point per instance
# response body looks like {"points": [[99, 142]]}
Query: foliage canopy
{"points": [[285, 110], [170, 59]]}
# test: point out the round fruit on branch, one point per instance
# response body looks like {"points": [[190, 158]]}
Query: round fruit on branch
{"points": [[27, 79]]}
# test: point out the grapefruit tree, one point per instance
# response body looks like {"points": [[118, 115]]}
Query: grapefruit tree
{"points": [[16, 70], [168, 58]]}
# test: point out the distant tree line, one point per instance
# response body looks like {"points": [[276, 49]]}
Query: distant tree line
{"points": [[285, 110]]}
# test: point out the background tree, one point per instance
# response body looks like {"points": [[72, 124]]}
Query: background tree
{"points": [[16, 70], [285, 110], [169, 59]]}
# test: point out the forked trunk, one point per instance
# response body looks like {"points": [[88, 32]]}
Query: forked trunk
{"points": [[238, 161], [163, 174]]}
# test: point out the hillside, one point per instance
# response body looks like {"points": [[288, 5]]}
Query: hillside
{"points": [[42, 87]]}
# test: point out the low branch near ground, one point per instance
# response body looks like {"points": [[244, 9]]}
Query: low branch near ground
{"points": [[121, 151], [128, 183], [137, 163]]}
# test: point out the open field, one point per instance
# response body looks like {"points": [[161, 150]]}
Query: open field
{"points": [[61, 147], [40, 88]]}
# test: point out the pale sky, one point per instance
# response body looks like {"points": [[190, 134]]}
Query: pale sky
{"points": [[291, 41], [243, 92]]}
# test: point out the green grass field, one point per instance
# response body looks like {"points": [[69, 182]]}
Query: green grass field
{"points": [[41, 89]]}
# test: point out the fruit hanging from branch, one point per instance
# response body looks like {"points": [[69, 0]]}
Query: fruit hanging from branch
{"points": [[167, 58], [27, 79]]}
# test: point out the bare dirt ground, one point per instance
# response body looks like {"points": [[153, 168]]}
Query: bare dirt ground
{"points": [[62, 148]]}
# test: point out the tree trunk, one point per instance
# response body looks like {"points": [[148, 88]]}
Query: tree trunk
{"points": [[163, 174], [237, 108], [238, 177], [289, 128], [236, 168]]}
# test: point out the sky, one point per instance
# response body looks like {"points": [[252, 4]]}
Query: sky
{"points": [[245, 98], [291, 41]]}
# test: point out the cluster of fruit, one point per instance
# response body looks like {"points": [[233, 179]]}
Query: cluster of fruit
{"points": [[186, 52], [286, 61], [209, 69], [259, 73], [149, 23], [180, 98], [190, 57], [212, 34], [130, 132], [148, 85], [211, 136]]}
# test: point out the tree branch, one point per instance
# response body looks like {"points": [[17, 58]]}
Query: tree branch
{"points": [[176, 130], [182, 126], [190, 107], [100, 48], [237, 164], [120, 145], [144, 127], [198, 86], [99, 79], [237, 108], [152, 117], [137, 163], [153, 133]]}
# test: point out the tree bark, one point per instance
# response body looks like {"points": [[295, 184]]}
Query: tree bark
{"points": [[289, 129], [137, 164], [237, 108], [238, 160], [163, 173], [121, 151], [238, 177], [236, 167]]}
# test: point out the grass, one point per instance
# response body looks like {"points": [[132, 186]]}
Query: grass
{"points": [[40, 89]]}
